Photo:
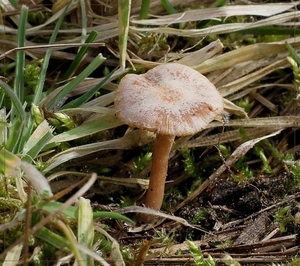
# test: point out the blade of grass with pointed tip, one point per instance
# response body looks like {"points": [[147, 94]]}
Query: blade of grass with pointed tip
{"points": [[293, 53], [88, 95], [123, 20], [98, 60], [86, 129], [79, 56]]}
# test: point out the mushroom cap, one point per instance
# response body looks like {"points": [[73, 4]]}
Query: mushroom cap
{"points": [[170, 99]]}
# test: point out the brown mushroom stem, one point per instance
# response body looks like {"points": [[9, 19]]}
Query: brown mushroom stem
{"points": [[155, 193]]}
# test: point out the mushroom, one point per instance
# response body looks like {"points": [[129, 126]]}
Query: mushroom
{"points": [[171, 100]]}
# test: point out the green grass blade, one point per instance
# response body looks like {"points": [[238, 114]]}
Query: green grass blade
{"points": [[52, 238], [271, 30], [14, 99], [88, 95], [35, 150], [112, 215], [20, 59], [39, 91], [72, 212], [220, 3], [15, 134], [38, 94], [2, 97], [293, 53], [79, 56], [53, 206], [14, 3], [168, 7], [98, 60], [89, 128], [144, 9], [123, 19], [16, 130]]}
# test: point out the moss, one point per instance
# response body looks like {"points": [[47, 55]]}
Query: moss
{"points": [[172, 198], [200, 215], [9, 236], [283, 218], [32, 76], [142, 161], [189, 162], [152, 42]]}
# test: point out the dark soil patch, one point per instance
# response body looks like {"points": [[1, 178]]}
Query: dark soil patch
{"points": [[256, 222]]}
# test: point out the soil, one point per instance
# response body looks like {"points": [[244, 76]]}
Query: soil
{"points": [[256, 222]]}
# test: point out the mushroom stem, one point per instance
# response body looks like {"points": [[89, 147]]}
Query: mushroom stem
{"points": [[155, 193]]}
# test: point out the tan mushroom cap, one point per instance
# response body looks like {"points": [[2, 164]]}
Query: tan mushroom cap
{"points": [[170, 99]]}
